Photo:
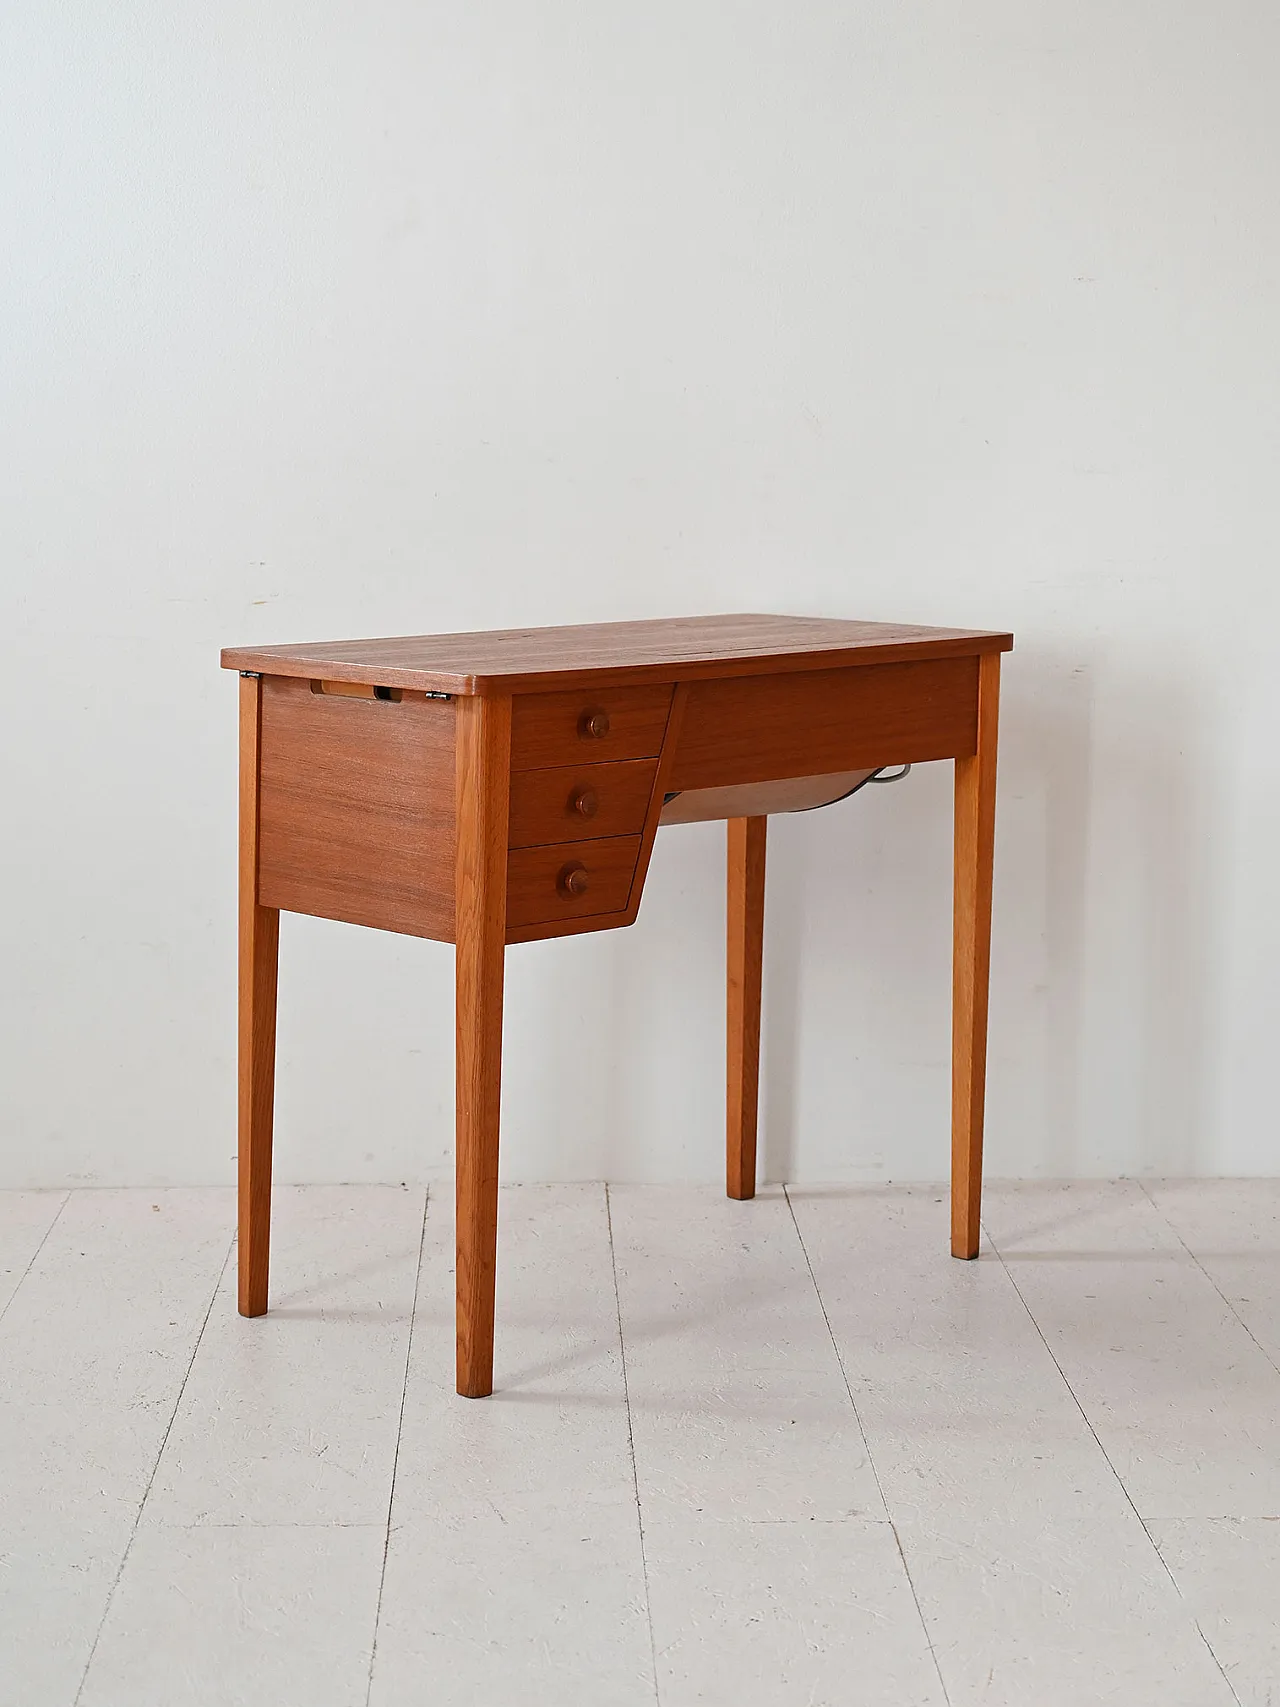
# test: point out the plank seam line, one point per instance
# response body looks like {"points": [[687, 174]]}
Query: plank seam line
{"points": [[155, 1469], [631, 1443], [1111, 1466], [857, 1417], [395, 1462], [66, 1198]]}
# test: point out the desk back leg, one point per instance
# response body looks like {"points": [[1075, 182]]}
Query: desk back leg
{"points": [[974, 847], [259, 956], [483, 797], [744, 963]]}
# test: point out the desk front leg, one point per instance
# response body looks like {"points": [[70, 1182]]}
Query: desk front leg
{"points": [[259, 956], [483, 796], [746, 844], [974, 848]]}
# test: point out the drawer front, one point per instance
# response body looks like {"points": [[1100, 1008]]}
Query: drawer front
{"points": [[591, 726], [569, 880], [580, 802], [749, 729]]}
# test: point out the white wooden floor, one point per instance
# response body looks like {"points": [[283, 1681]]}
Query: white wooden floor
{"points": [[779, 1452]]}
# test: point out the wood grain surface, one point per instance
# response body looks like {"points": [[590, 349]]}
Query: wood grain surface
{"points": [[357, 808], [661, 787], [551, 728], [975, 818], [576, 924], [744, 963], [259, 955], [580, 802], [667, 649], [534, 894], [756, 728], [483, 760], [761, 799]]}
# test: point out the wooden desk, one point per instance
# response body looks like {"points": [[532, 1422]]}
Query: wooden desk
{"points": [[486, 789]]}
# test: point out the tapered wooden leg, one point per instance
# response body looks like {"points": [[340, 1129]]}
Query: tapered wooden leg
{"points": [[745, 961], [974, 847], [259, 954], [483, 790]]}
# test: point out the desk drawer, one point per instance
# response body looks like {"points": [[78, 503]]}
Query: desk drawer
{"points": [[588, 726], [580, 802], [569, 880], [747, 729]]}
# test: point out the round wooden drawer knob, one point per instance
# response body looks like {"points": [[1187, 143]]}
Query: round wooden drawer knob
{"points": [[585, 802], [572, 880], [594, 725]]}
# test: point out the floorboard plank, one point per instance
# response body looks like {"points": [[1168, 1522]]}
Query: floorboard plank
{"points": [[1228, 1569], [95, 1348], [253, 1615], [738, 1452], [514, 1569], [1232, 1229], [25, 1220], [1181, 1396], [739, 1406], [1035, 1576], [293, 1417], [810, 1611], [774, 1574]]}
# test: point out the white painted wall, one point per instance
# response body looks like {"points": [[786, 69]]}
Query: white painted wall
{"points": [[335, 319]]}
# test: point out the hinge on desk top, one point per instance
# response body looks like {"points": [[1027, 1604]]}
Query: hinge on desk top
{"points": [[431, 693], [252, 675]]}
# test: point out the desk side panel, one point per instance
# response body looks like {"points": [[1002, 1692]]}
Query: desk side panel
{"points": [[358, 809], [748, 729]]}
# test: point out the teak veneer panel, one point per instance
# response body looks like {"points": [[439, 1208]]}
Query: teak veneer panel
{"points": [[572, 924], [545, 803], [356, 809], [534, 896], [687, 648], [551, 728], [757, 728]]}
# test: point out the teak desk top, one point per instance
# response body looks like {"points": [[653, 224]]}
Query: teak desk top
{"points": [[494, 788], [690, 648]]}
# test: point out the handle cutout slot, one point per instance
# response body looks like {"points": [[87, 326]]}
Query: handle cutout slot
{"points": [[358, 690]]}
